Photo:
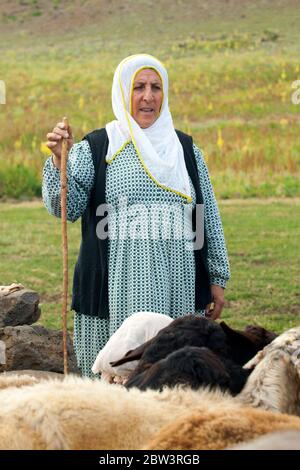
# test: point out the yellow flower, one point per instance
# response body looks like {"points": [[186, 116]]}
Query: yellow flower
{"points": [[246, 146], [220, 141], [81, 102], [283, 122], [84, 128], [283, 75], [33, 143], [210, 107], [18, 144], [45, 149], [283, 96]]}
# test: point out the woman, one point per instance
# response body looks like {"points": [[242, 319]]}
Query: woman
{"points": [[151, 177]]}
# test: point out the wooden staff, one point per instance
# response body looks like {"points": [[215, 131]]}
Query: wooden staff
{"points": [[64, 189]]}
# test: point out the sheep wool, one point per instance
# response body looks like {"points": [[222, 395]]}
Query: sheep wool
{"points": [[274, 383], [85, 414], [219, 428], [82, 414], [135, 330]]}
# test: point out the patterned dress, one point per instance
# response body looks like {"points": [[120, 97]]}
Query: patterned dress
{"points": [[146, 272]]}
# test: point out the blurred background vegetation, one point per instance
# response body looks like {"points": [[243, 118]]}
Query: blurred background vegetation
{"points": [[231, 65]]}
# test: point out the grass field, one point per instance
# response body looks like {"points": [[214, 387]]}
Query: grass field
{"points": [[231, 67], [263, 243]]}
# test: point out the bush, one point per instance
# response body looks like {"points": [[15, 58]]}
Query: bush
{"points": [[19, 181]]}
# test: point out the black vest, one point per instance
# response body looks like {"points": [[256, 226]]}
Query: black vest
{"points": [[90, 283]]}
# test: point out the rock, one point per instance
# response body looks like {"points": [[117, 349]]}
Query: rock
{"points": [[35, 347], [6, 290], [18, 306]]}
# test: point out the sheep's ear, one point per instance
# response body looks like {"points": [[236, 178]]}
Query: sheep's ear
{"points": [[235, 335], [141, 380], [265, 336], [227, 328], [242, 348], [132, 355], [255, 335]]}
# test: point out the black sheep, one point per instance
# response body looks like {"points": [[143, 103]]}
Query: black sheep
{"points": [[194, 367], [234, 348], [190, 330]]}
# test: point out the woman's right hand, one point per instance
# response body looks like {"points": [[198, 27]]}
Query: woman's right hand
{"points": [[54, 142]]}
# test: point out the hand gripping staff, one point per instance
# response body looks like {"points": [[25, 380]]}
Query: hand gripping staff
{"points": [[64, 190]]}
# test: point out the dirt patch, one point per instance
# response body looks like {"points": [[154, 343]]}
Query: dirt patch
{"points": [[43, 16], [14, 203], [264, 201], [50, 298], [283, 310]]}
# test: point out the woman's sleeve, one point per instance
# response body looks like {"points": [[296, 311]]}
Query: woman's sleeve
{"points": [[80, 176], [218, 264]]}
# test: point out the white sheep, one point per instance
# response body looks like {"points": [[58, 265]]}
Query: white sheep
{"points": [[85, 414], [8, 381], [274, 383], [134, 331], [81, 413]]}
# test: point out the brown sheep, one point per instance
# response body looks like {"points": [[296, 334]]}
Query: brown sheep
{"points": [[219, 428]]}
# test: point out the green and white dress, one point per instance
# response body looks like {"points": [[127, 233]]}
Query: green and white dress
{"points": [[145, 273]]}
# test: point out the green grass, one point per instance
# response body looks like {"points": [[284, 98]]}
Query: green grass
{"points": [[263, 244], [231, 71], [30, 251]]}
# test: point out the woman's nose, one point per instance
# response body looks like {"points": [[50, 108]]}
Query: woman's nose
{"points": [[148, 94]]}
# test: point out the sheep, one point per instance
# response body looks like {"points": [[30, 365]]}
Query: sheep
{"points": [[79, 413], [190, 330], [218, 428], [245, 344], [274, 383], [193, 330], [20, 378], [16, 381], [135, 330], [193, 366]]}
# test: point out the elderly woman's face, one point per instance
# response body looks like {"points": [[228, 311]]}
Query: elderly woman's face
{"points": [[147, 97]]}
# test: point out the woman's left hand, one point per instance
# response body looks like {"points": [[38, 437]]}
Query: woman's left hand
{"points": [[218, 299]]}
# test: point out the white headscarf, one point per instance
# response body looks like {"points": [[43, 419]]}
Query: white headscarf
{"points": [[157, 146]]}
